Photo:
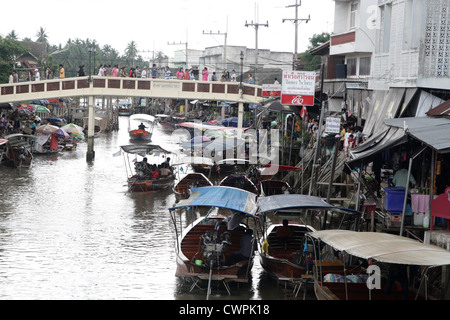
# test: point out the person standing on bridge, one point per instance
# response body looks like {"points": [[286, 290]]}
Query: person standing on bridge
{"points": [[205, 74], [167, 73], [114, 71], [154, 71], [180, 74], [144, 73], [62, 73]]}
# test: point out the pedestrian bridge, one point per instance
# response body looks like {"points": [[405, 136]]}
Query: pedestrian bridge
{"points": [[130, 87]]}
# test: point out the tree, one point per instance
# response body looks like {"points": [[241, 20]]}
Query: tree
{"points": [[131, 52], [311, 62], [10, 49], [12, 35], [41, 35]]}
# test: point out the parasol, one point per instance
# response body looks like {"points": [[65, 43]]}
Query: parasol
{"points": [[47, 129], [74, 129]]}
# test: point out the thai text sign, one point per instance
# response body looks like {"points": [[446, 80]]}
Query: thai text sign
{"points": [[298, 88], [271, 90], [333, 125]]}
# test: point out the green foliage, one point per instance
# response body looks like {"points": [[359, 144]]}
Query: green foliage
{"points": [[313, 62], [10, 49]]}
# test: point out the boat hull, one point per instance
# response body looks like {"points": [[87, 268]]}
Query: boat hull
{"points": [[136, 184], [140, 135], [191, 180]]}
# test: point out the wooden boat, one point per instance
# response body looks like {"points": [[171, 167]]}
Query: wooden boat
{"points": [[17, 150], [139, 178], [239, 181], [124, 110], [183, 188], [346, 279], [141, 132], [205, 248], [283, 254]]}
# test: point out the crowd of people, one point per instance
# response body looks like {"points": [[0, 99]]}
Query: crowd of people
{"points": [[153, 171]]}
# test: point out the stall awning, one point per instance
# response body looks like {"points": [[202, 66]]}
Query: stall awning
{"points": [[393, 137], [434, 132], [384, 247]]}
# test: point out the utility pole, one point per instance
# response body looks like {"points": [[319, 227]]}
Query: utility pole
{"points": [[224, 46], [180, 43], [256, 26], [297, 4]]}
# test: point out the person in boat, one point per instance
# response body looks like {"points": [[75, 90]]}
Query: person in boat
{"points": [[154, 172], [284, 231], [166, 164], [142, 126], [247, 246], [143, 166], [164, 171]]}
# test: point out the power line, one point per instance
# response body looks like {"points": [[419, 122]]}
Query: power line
{"points": [[297, 4], [256, 26]]}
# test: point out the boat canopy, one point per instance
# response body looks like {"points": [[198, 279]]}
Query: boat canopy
{"points": [[143, 150], [142, 117], [384, 247], [221, 197], [296, 201], [195, 160]]}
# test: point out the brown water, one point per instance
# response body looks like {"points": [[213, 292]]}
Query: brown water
{"points": [[70, 230]]}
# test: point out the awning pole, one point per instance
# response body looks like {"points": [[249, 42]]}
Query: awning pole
{"points": [[406, 196]]}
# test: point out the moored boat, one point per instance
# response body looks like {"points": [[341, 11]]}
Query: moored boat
{"points": [[218, 247], [192, 180], [284, 252], [360, 255], [17, 150], [240, 181]]}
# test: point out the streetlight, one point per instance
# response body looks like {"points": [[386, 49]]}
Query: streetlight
{"points": [[242, 66]]}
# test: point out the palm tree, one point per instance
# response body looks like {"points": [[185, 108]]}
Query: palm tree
{"points": [[12, 35], [42, 35], [131, 52]]}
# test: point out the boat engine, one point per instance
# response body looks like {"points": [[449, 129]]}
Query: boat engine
{"points": [[215, 243]]}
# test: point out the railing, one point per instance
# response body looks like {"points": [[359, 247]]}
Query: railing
{"points": [[129, 87]]}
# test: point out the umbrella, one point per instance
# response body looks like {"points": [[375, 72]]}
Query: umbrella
{"points": [[232, 122], [72, 128], [47, 129], [62, 133], [39, 108], [25, 107], [223, 144]]}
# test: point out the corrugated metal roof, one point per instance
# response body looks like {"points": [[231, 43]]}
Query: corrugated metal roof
{"points": [[440, 110]]}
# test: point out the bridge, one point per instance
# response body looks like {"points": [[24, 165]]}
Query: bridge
{"points": [[96, 86], [130, 87]]}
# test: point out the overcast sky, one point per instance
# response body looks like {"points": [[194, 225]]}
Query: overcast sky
{"points": [[162, 25]]}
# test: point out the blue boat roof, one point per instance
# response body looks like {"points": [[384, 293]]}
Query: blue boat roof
{"points": [[222, 197]]}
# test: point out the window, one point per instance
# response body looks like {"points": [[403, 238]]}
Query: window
{"points": [[351, 67], [353, 13], [385, 31], [411, 28], [364, 66]]}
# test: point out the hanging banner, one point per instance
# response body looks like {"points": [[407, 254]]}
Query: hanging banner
{"points": [[298, 88]]}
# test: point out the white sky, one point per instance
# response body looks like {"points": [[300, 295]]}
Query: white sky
{"points": [[155, 24]]}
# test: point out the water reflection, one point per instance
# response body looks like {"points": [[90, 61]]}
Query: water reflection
{"points": [[70, 230]]}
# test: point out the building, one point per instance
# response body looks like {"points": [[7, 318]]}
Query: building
{"points": [[219, 59]]}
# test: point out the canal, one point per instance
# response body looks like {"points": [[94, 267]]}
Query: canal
{"points": [[69, 229]]}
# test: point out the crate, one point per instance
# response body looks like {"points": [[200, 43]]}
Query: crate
{"points": [[394, 199]]}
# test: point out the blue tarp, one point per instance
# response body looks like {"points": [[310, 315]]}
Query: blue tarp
{"points": [[221, 197]]}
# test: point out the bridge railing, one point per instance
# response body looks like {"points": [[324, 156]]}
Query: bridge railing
{"points": [[129, 87]]}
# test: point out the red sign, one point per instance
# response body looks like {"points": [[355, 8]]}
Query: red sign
{"points": [[297, 100], [271, 90], [298, 88]]}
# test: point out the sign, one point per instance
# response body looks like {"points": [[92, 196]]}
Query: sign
{"points": [[333, 125], [271, 90], [298, 88]]}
